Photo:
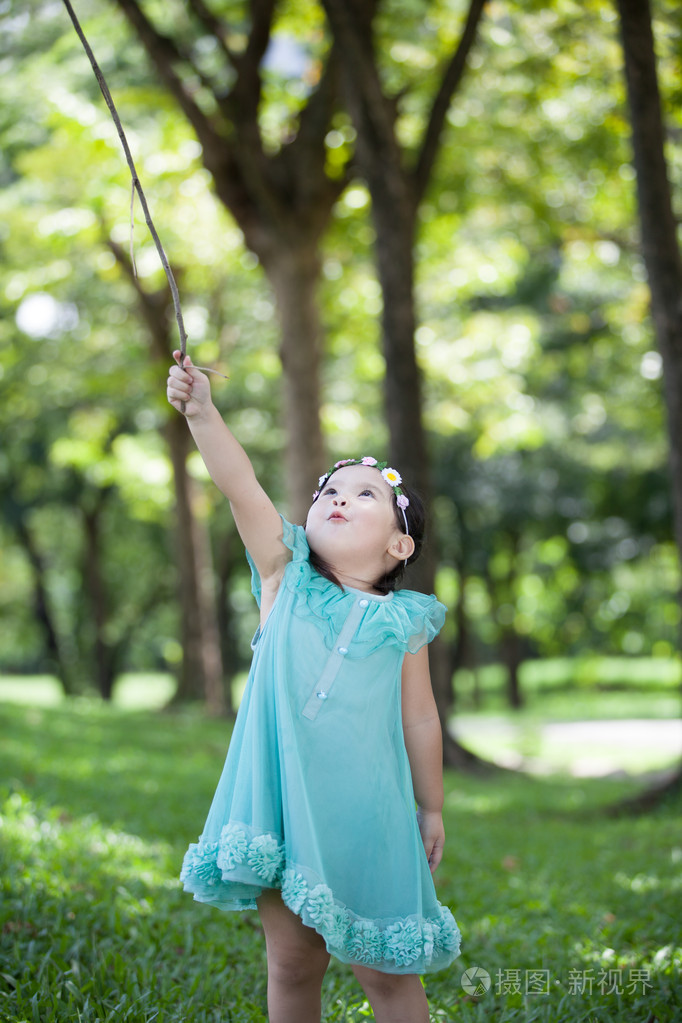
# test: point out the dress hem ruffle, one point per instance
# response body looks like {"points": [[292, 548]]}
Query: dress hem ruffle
{"points": [[232, 872]]}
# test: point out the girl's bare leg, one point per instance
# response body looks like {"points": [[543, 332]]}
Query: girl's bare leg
{"points": [[297, 963], [395, 998]]}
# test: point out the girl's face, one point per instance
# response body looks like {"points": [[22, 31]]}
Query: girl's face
{"points": [[353, 516]]}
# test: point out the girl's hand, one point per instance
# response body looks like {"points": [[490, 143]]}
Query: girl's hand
{"points": [[189, 385], [433, 835]]}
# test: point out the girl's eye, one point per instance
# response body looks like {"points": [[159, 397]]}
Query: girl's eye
{"points": [[368, 493], [330, 490]]}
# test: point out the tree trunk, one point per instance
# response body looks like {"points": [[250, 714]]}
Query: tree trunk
{"points": [[510, 650], [394, 224], [465, 649], [660, 248], [294, 275], [396, 189], [501, 591], [201, 674], [394, 219], [43, 613], [225, 561], [104, 654]]}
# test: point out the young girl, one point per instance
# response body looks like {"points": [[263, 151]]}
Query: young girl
{"points": [[313, 821]]}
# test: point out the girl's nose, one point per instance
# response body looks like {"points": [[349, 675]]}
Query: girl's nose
{"points": [[339, 499]]}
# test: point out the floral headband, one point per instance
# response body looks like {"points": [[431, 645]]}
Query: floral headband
{"points": [[391, 476]]}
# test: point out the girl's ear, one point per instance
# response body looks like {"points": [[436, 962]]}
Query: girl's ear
{"points": [[402, 548]]}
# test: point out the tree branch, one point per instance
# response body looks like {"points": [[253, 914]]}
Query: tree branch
{"points": [[262, 12], [232, 148], [451, 79], [216, 26], [164, 54], [316, 114], [306, 169], [153, 304], [246, 94], [374, 114]]}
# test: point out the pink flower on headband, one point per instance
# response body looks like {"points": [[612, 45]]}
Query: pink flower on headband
{"points": [[402, 501], [368, 460], [344, 461]]}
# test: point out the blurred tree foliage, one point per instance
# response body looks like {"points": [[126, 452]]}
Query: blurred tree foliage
{"points": [[541, 379]]}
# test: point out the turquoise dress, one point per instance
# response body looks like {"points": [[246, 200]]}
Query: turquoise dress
{"points": [[316, 795]]}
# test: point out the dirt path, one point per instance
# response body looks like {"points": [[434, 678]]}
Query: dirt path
{"points": [[585, 749]]}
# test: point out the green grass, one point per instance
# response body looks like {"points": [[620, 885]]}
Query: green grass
{"points": [[100, 803]]}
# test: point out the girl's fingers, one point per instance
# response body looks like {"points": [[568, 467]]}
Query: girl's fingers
{"points": [[435, 858], [179, 383], [176, 373], [182, 363], [179, 387], [176, 396], [186, 386]]}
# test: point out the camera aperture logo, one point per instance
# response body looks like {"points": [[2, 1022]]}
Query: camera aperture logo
{"points": [[476, 981]]}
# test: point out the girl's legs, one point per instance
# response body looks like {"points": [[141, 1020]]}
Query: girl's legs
{"points": [[395, 998], [297, 963]]}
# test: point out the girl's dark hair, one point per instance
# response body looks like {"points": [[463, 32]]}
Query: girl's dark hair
{"points": [[416, 523]]}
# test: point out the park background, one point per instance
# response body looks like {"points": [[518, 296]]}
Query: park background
{"points": [[423, 242]]}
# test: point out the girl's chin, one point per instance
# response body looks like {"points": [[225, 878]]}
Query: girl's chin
{"points": [[332, 550]]}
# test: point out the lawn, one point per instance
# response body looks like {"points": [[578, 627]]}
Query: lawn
{"points": [[573, 914]]}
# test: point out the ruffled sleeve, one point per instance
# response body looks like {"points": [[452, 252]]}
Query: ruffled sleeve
{"points": [[410, 620], [294, 538]]}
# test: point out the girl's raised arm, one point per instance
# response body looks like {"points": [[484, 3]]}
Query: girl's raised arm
{"points": [[255, 516]]}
